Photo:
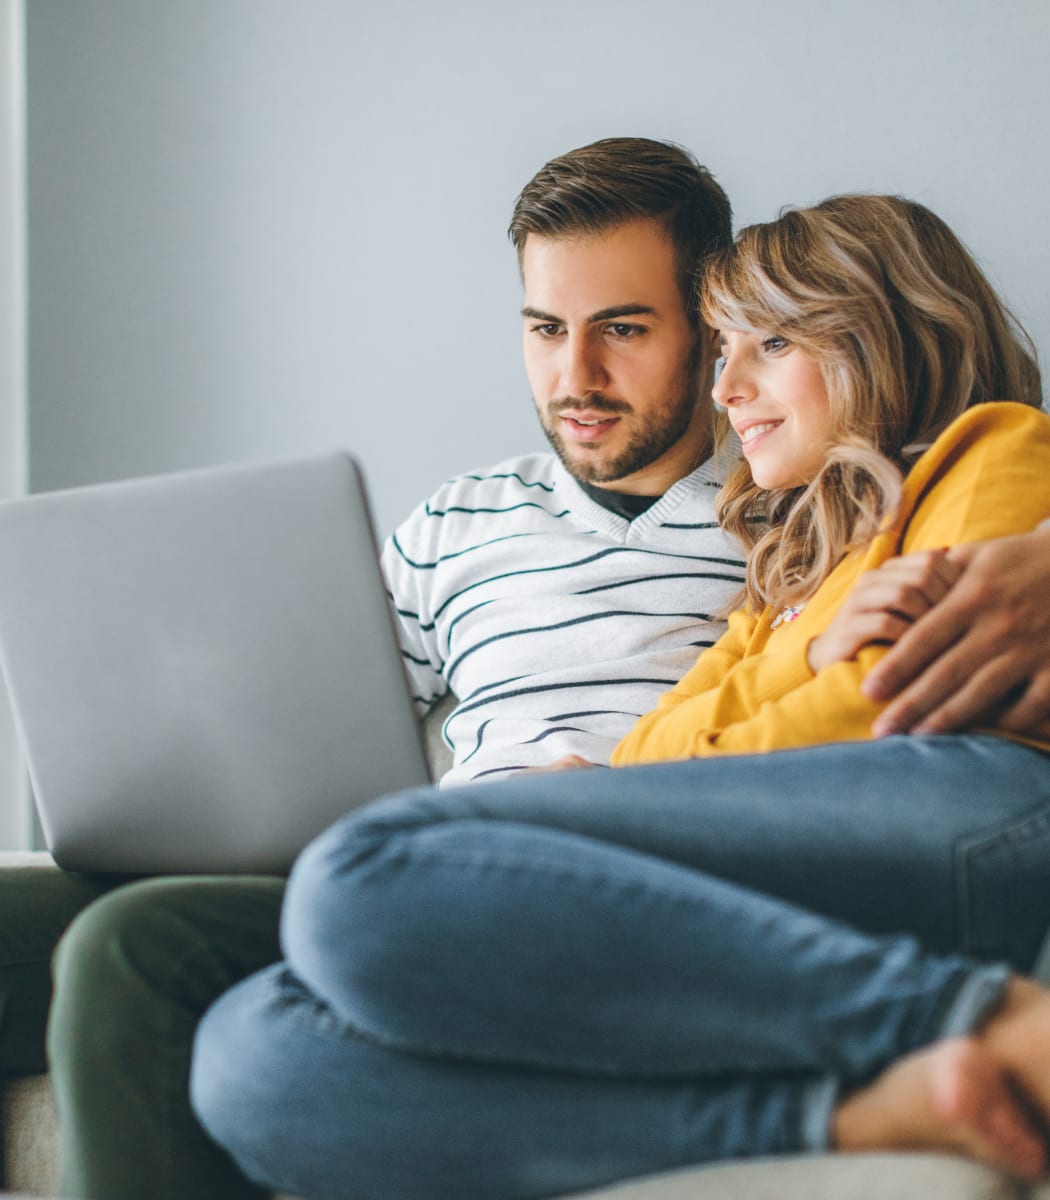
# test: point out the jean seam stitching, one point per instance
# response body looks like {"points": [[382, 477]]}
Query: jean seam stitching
{"points": [[976, 848]]}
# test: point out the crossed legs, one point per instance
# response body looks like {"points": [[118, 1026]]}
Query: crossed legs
{"points": [[611, 973]]}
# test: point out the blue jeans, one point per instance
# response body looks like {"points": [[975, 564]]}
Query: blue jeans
{"points": [[547, 983]]}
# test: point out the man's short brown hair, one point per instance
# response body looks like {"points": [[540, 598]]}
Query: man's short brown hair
{"points": [[597, 187]]}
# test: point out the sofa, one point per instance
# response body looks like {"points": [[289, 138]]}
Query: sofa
{"points": [[30, 1143]]}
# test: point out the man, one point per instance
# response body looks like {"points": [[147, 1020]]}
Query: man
{"points": [[555, 597], [558, 596]]}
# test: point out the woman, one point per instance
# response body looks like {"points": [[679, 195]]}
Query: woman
{"points": [[539, 986], [869, 360]]}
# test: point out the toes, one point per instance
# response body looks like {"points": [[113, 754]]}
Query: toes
{"points": [[972, 1095], [1008, 1126]]}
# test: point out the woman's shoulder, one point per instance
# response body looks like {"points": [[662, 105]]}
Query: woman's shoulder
{"points": [[999, 418], [982, 434], [985, 476]]}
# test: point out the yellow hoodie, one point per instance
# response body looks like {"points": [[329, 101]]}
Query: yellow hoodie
{"points": [[986, 476]]}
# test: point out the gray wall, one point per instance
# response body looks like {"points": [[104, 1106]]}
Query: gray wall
{"points": [[260, 227], [14, 811], [264, 227]]}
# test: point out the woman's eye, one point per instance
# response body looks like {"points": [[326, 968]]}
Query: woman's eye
{"points": [[720, 363], [774, 342]]}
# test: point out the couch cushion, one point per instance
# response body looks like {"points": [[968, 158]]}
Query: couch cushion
{"points": [[30, 1136], [438, 754], [828, 1177], [31, 1158]]}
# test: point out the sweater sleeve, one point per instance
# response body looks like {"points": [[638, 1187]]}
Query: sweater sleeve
{"points": [[409, 587], [986, 476]]}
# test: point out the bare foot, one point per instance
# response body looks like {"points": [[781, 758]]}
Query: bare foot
{"points": [[952, 1097]]}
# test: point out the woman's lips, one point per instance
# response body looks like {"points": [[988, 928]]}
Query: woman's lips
{"points": [[756, 431]]}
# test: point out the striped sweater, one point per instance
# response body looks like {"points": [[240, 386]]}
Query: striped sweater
{"points": [[554, 621]]}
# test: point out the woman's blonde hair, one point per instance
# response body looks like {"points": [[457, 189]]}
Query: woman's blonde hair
{"points": [[908, 333]]}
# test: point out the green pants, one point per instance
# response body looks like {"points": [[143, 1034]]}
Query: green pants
{"points": [[36, 905], [133, 974]]}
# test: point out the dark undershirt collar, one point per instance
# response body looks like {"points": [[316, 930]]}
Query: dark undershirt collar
{"points": [[623, 504]]}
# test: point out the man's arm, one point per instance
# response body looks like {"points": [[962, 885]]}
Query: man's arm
{"points": [[983, 482], [408, 589], [981, 655]]}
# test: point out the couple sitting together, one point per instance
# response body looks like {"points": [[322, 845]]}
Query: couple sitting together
{"points": [[789, 917]]}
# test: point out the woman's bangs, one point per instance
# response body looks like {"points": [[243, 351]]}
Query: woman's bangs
{"points": [[745, 298]]}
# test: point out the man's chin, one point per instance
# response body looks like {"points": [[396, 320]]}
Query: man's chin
{"points": [[592, 468], [596, 477]]}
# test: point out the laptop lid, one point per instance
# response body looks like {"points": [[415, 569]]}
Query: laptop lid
{"points": [[203, 666]]}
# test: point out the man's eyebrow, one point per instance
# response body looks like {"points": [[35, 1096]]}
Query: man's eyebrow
{"points": [[603, 314], [624, 310]]}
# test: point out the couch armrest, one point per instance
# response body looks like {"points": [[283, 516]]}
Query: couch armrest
{"points": [[438, 754]]}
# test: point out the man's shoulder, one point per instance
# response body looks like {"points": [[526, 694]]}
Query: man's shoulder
{"points": [[524, 478], [537, 470], [524, 491]]}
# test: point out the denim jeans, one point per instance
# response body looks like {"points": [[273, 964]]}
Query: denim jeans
{"points": [[548, 983]]}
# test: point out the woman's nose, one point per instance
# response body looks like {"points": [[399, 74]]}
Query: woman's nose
{"points": [[731, 385]]}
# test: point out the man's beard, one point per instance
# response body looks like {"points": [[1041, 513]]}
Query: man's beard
{"points": [[644, 448]]}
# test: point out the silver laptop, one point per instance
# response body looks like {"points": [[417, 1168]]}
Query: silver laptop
{"points": [[203, 666]]}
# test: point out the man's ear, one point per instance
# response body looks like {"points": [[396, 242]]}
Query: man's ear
{"points": [[709, 350], [713, 346]]}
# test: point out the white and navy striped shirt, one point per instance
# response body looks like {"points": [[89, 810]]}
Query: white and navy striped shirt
{"points": [[554, 621]]}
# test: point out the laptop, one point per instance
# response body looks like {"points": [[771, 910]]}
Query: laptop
{"points": [[203, 666]]}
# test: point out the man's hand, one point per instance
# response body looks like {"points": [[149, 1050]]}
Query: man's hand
{"points": [[570, 762], [982, 655], [883, 605]]}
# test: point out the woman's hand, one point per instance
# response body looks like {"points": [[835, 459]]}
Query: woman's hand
{"points": [[883, 605]]}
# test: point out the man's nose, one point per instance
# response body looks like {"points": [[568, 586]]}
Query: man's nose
{"points": [[582, 367]]}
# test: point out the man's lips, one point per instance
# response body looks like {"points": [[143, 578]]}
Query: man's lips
{"points": [[587, 423], [586, 427]]}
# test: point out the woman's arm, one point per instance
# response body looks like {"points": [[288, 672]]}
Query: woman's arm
{"points": [[985, 477], [883, 605]]}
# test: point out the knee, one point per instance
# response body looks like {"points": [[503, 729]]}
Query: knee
{"points": [[216, 1087], [357, 917], [245, 1070], [328, 901], [303, 1104], [334, 879], [111, 957], [85, 965], [95, 946]]}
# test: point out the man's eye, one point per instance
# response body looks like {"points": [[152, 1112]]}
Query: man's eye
{"points": [[621, 330], [546, 331]]}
